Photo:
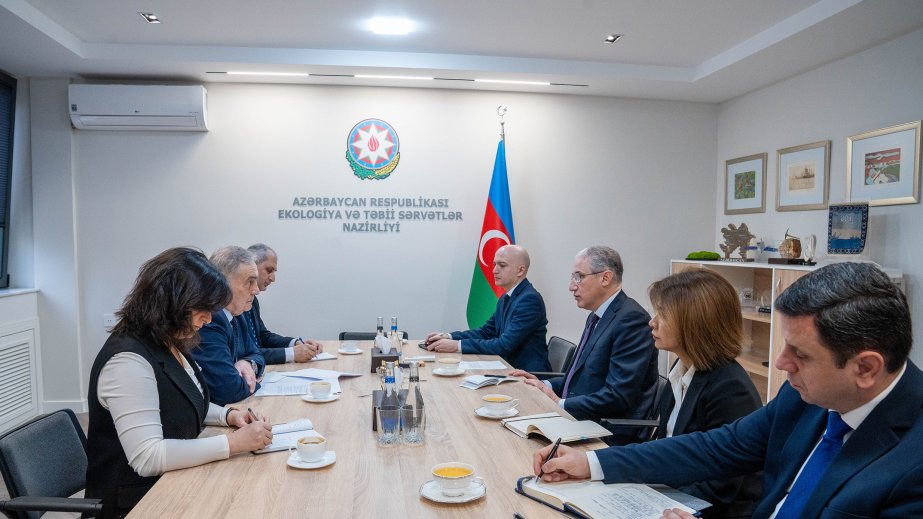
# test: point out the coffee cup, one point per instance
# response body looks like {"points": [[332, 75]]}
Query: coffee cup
{"points": [[350, 346], [497, 403], [320, 390], [454, 478], [449, 363], [311, 448]]}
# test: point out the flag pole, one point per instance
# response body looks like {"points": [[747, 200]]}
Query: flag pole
{"points": [[501, 111]]}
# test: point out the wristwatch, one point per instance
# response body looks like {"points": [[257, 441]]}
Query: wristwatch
{"points": [[253, 365]]}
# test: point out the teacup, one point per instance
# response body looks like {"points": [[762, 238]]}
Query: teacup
{"points": [[311, 448], [320, 390], [350, 346], [497, 403], [454, 478], [449, 363]]}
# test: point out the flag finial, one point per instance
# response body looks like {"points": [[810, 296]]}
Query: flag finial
{"points": [[501, 111]]}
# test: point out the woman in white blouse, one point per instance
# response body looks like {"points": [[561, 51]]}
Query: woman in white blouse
{"points": [[148, 402]]}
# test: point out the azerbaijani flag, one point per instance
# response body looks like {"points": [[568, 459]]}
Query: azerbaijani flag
{"points": [[496, 232]]}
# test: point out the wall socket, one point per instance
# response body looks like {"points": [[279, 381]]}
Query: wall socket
{"points": [[109, 321]]}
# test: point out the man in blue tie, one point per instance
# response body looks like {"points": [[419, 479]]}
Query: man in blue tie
{"points": [[841, 439], [229, 359], [516, 330], [614, 371]]}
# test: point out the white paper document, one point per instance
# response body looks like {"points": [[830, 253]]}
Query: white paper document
{"points": [[481, 364], [323, 356]]}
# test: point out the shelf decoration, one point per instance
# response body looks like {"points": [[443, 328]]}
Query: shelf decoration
{"points": [[736, 238], [847, 228], [883, 166], [745, 185]]}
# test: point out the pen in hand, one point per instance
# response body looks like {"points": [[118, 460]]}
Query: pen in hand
{"points": [[253, 415], [551, 454]]}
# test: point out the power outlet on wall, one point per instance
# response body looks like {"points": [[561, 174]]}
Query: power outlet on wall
{"points": [[109, 321]]}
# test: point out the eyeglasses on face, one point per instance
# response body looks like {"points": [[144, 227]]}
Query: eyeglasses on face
{"points": [[578, 277]]}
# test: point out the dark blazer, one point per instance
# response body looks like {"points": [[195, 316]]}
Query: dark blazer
{"points": [[878, 473], [616, 373], [271, 345], [219, 348], [182, 415], [714, 398], [516, 331]]}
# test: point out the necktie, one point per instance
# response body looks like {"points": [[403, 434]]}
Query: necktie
{"points": [[590, 324], [235, 337], [814, 469], [251, 327]]}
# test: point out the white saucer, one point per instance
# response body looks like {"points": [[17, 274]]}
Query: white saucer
{"points": [[350, 352], [443, 372], [309, 398], [295, 462], [430, 490], [482, 411]]}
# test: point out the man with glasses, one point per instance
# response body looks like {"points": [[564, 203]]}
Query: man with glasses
{"points": [[614, 371], [517, 329]]}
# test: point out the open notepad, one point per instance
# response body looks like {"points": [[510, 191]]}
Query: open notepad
{"points": [[285, 435], [553, 426], [479, 381], [596, 500]]}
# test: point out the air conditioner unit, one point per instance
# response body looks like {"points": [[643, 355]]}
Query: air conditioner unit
{"points": [[138, 107]]}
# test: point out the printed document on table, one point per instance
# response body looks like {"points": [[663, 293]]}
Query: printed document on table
{"points": [[481, 364], [323, 356]]}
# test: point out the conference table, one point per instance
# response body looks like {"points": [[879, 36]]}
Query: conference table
{"points": [[367, 480]]}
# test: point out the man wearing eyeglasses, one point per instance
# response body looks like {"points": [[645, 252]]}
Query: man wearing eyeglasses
{"points": [[614, 371]]}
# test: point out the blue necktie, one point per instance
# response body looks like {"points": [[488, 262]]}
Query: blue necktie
{"points": [[814, 469], [590, 324]]}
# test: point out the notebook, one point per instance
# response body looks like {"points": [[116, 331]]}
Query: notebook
{"points": [[597, 500], [553, 426], [286, 435], [479, 381]]}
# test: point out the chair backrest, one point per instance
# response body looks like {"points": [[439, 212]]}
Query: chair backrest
{"points": [[363, 336], [560, 354], [45, 457], [662, 383]]}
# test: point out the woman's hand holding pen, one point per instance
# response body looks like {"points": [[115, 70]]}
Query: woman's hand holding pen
{"points": [[254, 431], [567, 463]]}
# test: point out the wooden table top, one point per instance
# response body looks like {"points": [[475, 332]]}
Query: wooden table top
{"points": [[366, 480]]}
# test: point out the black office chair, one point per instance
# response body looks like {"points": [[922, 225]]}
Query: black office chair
{"points": [[363, 336], [648, 425], [44, 461], [560, 356]]}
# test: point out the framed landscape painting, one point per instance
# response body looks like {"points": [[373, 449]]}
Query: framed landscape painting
{"points": [[883, 166], [745, 185], [803, 177]]}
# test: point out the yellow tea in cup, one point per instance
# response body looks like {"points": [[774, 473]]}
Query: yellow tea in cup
{"points": [[452, 472]]}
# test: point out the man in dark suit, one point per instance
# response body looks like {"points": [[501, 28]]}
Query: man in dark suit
{"points": [[614, 371], [516, 330], [841, 439], [276, 349], [230, 362]]}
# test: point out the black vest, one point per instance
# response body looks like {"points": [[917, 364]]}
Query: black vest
{"points": [[182, 414]]}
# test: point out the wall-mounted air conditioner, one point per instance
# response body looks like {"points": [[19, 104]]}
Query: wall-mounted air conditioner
{"points": [[138, 107]]}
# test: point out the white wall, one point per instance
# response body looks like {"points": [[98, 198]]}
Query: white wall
{"points": [[874, 89], [583, 170]]}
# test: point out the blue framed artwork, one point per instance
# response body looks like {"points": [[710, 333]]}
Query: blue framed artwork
{"points": [[847, 228]]}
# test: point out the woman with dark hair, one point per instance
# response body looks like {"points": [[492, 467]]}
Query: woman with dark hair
{"points": [[697, 318], [147, 399]]}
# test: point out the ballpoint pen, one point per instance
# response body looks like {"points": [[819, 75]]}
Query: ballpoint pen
{"points": [[255, 419], [551, 454]]}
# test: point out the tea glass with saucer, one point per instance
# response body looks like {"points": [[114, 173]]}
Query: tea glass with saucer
{"points": [[453, 482]]}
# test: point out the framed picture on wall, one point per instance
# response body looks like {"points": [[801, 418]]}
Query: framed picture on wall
{"points": [[803, 177], [884, 165], [745, 185]]}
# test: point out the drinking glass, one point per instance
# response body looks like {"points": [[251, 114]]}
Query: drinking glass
{"points": [[389, 425], [413, 424]]}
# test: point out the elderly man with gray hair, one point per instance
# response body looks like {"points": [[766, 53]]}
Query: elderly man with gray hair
{"points": [[230, 361], [276, 349]]}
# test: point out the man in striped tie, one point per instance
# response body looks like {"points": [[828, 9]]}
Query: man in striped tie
{"points": [[614, 371], [841, 439]]}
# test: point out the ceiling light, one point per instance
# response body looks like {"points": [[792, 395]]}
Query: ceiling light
{"points": [[390, 26], [369, 76], [513, 82], [244, 73], [150, 17], [612, 38]]}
